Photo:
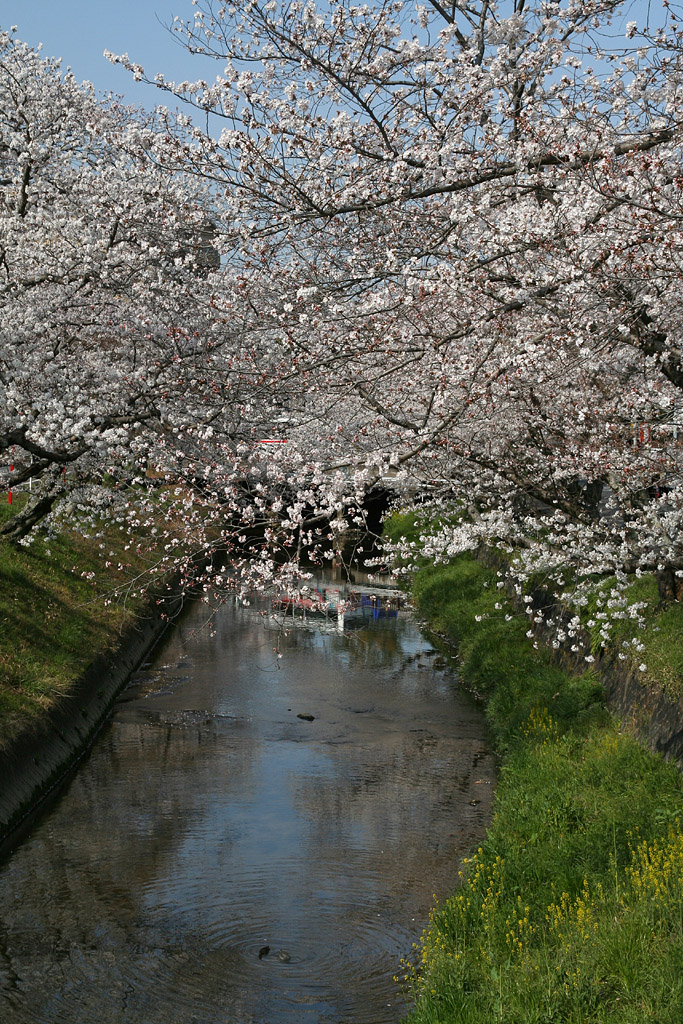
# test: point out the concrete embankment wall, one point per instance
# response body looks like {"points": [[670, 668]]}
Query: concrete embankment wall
{"points": [[39, 759]]}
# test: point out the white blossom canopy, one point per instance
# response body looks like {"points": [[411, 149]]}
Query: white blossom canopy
{"points": [[451, 241]]}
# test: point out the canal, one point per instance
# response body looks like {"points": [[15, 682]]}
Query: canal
{"points": [[209, 822]]}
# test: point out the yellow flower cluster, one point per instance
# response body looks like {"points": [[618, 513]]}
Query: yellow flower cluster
{"points": [[541, 725], [519, 931], [655, 873], [472, 910], [570, 918], [609, 743], [490, 882]]}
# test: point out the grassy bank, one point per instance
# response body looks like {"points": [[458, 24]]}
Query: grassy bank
{"points": [[572, 910], [63, 600]]}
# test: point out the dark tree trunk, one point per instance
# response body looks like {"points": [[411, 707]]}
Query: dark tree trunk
{"points": [[36, 509], [670, 586]]}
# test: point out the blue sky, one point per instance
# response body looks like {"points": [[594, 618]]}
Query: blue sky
{"points": [[79, 31]]}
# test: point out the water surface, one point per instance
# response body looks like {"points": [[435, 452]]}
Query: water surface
{"points": [[210, 821]]}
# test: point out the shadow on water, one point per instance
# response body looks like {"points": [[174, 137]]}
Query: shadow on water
{"points": [[210, 822]]}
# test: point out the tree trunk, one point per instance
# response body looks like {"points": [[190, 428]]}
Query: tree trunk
{"points": [[36, 508], [670, 586]]}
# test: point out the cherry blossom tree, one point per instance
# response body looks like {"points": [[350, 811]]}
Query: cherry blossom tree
{"points": [[460, 228], [134, 379], [450, 257], [110, 328]]}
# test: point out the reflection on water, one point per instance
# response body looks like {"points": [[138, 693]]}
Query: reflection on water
{"points": [[210, 821]]}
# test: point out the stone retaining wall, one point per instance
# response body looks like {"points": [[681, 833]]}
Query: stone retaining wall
{"points": [[648, 712]]}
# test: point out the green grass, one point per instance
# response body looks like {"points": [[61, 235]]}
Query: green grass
{"points": [[60, 606], [572, 909], [495, 656], [662, 650]]}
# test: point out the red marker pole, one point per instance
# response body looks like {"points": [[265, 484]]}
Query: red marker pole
{"points": [[9, 496]]}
